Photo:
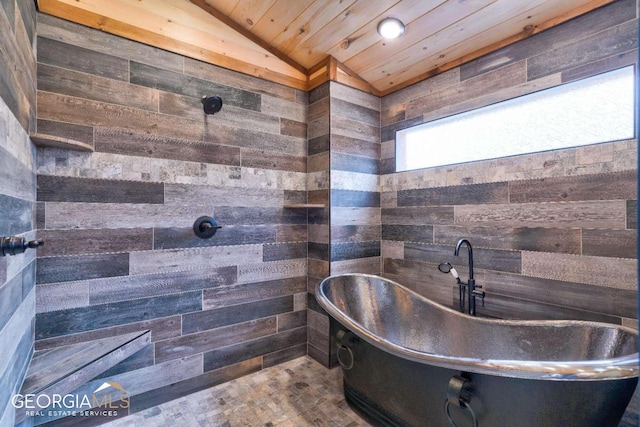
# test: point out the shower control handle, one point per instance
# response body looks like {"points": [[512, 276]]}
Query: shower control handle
{"points": [[14, 245]]}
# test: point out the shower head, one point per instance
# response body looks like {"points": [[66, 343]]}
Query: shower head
{"points": [[211, 104], [445, 267]]}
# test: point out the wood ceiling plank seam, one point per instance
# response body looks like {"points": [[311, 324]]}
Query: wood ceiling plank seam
{"points": [[367, 35], [244, 10], [514, 31], [436, 20], [277, 21], [464, 29], [236, 27], [301, 26], [317, 45]]}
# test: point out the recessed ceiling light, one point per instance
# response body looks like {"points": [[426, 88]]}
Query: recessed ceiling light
{"points": [[390, 28]]}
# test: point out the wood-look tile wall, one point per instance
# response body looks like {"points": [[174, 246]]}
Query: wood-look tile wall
{"points": [[121, 254], [343, 167], [554, 233], [17, 196]]}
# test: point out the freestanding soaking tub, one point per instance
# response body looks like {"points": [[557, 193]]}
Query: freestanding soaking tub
{"points": [[408, 361]]}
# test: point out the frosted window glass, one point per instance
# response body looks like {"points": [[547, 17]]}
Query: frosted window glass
{"points": [[589, 111]]}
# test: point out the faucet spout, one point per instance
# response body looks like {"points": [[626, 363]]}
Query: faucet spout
{"points": [[470, 249], [471, 283]]}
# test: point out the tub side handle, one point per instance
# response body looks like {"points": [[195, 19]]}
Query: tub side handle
{"points": [[459, 394]]}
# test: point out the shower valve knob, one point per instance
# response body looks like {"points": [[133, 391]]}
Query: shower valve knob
{"points": [[16, 245]]}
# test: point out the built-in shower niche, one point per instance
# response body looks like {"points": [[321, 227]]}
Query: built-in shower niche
{"points": [[64, 369]]}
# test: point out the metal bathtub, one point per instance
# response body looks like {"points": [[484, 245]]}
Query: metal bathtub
{"points": [[408, 361]]}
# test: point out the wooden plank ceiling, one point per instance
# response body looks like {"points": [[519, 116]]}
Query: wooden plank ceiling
{"points": [[301, 43]]}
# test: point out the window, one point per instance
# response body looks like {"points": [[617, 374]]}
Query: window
{"points": [[589, 111]]}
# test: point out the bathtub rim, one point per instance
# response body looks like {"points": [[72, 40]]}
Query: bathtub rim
{"points": [[618, 368]]}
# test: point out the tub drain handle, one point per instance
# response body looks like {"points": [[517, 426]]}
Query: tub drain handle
{"points": [[459, 394], [345, 340]]}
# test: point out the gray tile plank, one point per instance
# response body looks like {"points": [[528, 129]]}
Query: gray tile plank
{"points": [[66, 130], [221, 357], [610, 42], [186, 345], [354, 146], [284, 355], [169, 81], [578, 296], [83, 319], [92, 241], [418, 215], [248, 138], [144, 144], [18, 180], [355, 233], [632, 214], [347, 251], [86, 112], [222, 296], [228, 235], [609, 186], [408, 233], [610, 243], [161, 329], [219, 317], [179, 194], [263, 159], [87, 86], [71, 189], [292, 320], [81, 267], [10, 298], [560, 240], [282, 251], [347, 198], [495, 192], [354, 111], [64, 55], [125, 288]]}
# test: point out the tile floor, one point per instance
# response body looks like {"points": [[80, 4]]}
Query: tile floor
{"points": [[297, 393]]}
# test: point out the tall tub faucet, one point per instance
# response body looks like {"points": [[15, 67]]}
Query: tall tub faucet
{"points": [[471, 283]]}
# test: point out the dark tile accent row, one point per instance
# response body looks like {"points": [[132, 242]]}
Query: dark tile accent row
{"points": [[221, 357], [418, 215], [354, 233], [81, 267], [161, 329], [610, 243], [542, 239], [497, 192], [187, 345], [408, 233], [345, 251], [610, 186], [319, 144], [352, 198], [346, 162], [222, 296], [83, 319], [228, 235], [228, 215], [281, 251], [66, 130], [126, 288], [89, 190], [94, 241], [318, 251], [63, 55], [216, 318], [143, 144]]}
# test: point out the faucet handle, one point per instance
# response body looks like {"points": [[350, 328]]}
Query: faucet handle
{"points": [[479, 294]]}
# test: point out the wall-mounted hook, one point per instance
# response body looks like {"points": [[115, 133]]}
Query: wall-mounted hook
{"points": [[205, 227], [16, 245]]}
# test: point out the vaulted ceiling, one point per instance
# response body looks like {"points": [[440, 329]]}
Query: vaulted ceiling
{"points": [[302, 43]]}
